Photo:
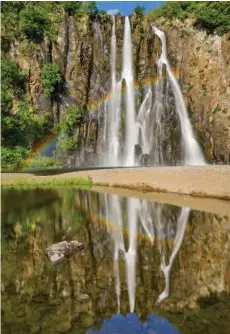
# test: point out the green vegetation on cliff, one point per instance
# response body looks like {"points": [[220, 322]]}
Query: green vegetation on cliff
{"points": [[22, 124], [212, 16], [50, 78], [24, 127]]}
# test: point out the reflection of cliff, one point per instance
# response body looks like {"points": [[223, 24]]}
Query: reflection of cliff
{"points": [[37, 297]]}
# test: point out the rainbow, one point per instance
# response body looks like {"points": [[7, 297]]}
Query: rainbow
{"points": [[40, 149], [50, 140]]}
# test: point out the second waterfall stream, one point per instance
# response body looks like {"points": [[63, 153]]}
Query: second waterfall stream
{"points": [[142, 127]]}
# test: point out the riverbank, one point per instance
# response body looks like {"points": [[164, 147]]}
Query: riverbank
{"points": [[198, 181]]}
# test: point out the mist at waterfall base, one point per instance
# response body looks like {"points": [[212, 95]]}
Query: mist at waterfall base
{"points": [[142, 142]]}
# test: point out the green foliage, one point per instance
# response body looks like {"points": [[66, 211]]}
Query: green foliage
{"points": [[46, 183], [68, 145], [72, 7], [34, 22], [44, 162], [212, 16], [135, 24], [216, 109], [73, 118], [10, 19], [169, 10], [190, 87], [24, 127], [91, 8], [12, 78], [50, 78], [13, 158], [139, 11]]}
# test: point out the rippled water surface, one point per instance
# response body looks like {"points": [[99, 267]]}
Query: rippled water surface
{"points": [[140, 256]]}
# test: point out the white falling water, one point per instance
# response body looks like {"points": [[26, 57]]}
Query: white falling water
{"points": [[113, 120], [130, 117], [144, 123], [192, 152], [147, 129]]}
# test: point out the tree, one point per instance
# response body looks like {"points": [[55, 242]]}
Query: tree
{"points": [[91, 8], [72, 7], [50, 78], [139, 11], [34, 22], [12, 77], [73, 118]]}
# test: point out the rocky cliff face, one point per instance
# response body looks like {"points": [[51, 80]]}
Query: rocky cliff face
{"points": [[82, 50], [202, 63]]}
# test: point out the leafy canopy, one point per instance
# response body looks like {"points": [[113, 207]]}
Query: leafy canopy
{"points": [[139, 11], [212, 16], [34, 22], [50, 78]]}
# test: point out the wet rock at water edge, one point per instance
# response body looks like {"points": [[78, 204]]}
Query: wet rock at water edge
{"points": [[60, 252]]}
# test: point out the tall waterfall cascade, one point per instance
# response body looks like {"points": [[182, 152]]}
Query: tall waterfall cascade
{"points": [[143, 127]]}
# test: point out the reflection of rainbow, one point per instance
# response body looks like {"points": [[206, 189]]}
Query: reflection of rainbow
{"points": [[49, 143], [113, 226]]}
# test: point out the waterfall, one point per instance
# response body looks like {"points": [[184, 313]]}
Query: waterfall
{"points": [[127, 75], [146, 130], [144, 123], [192, 152], [112, 135]]}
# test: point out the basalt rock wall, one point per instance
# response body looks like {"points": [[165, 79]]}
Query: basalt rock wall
{"points": [[82, 51]]}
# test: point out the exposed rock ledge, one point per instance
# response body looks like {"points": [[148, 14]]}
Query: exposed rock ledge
{"points": [[201, 181]]}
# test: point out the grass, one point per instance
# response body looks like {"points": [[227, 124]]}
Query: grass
{"points": [[45, 183]]}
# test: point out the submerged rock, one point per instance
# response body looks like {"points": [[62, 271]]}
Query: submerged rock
{"points": [[60, 252]]}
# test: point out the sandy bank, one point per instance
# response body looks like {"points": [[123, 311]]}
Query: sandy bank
{"points": [[199, 181]]}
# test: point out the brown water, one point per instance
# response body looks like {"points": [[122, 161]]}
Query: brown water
{"points": [[71, 297]]}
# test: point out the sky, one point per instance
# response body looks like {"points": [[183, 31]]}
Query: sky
{"points": [[126, 7]]}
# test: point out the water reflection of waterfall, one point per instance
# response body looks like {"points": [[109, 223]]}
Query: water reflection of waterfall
{"points": [[149, 136], [161, 224]]}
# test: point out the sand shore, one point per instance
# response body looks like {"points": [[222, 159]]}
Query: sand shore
{"points": [[199, 181]]}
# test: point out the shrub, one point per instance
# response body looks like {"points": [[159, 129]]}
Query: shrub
{"points": [[13, 158], [139, 11], [212, 16], [50, 78], [44, 162], [73, 118], [68, 145], [11, 75], [91, 8], [34, 22], [72, 7]]}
